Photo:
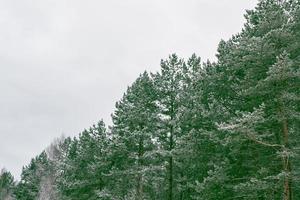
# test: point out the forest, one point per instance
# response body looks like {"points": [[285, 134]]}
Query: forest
{"points": [[198, 130]]}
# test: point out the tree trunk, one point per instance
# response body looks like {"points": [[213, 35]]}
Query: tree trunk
{"points": [[139, 187], [170, 195], [286, 163]]}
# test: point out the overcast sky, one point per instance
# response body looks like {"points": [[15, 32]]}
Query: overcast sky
{"points": [[64, 63]]}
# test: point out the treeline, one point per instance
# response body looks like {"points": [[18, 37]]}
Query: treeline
{"points": [[223, 130]]}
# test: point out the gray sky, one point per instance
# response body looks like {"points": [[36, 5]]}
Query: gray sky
{"points": [[64, 63]]}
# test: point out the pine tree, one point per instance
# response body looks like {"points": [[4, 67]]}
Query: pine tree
{"points": [[280, 109], [133, 134], [7, 185], [31, 178], [263, 75], [168, 84], [81, 178]]}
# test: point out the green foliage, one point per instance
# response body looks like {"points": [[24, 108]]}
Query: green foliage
{"points": [[31, 177], [224, 130], [7, 185]]}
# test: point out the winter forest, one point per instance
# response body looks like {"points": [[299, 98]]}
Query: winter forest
{"points": [[224, 130]]}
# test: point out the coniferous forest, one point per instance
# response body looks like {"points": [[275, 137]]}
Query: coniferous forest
{"points": [[224, 130]]}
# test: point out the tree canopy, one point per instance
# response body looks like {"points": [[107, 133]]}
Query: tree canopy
{"points": [[194, 130]]}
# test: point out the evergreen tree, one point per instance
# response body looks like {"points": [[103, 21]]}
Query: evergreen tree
{"points": [[168, 84], [81, 178], [134, 135], [262, 75], [31, 178], [7, 185]]}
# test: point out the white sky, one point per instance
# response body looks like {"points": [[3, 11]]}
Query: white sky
{"points": [[64, 63]]}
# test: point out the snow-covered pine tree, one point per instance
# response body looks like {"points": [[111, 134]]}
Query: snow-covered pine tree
{"points": [[265, 77], [168, 84], [31, 178], [7, 185], [133, 134], [81, 176]]}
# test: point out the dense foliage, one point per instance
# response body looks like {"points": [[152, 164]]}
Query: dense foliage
{"points": [[222, 130]]}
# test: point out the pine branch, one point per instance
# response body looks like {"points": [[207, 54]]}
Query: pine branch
{"points": [[263, 143]]}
